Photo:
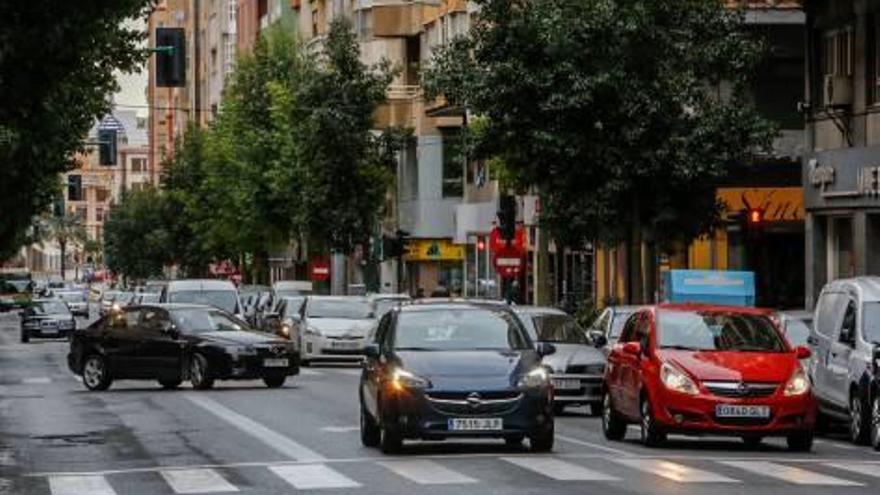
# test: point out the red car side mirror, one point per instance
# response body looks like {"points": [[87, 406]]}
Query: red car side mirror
{"points": [[632, 348], [803, 352]]}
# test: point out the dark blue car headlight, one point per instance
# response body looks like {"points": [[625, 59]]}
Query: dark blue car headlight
{"points": [[402, 379], [536, 378]]}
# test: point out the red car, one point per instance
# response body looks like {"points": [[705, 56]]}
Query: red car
{"points": [[707, 370]]}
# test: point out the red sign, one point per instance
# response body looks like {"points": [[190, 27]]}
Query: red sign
{"points": [[508, 267], [320, 271], [500, 245]]}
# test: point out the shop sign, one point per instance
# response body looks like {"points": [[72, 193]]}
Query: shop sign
{"points": [[433, 250], [842, 177]]}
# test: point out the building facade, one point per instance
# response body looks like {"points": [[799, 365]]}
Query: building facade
{"points": [[842, 167]]}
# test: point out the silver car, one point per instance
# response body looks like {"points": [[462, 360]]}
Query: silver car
{"points": [[77, 301], [577, 367], [610, 323], [334, 328]]}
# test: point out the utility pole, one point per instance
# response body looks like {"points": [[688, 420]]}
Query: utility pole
{"points": [[197, 63]]}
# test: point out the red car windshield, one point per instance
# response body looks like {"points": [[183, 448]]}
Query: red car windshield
{"points": [[717, 331]]}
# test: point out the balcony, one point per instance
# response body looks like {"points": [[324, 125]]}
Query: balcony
{"points": [[399, 109], [393, 18]]}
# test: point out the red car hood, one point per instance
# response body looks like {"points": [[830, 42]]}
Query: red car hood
{"points": [[733, 366]]}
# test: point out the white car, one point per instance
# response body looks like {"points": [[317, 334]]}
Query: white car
{"points": [[334, 328]]}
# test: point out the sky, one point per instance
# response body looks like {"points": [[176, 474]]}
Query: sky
{"points": [[133, 86]]}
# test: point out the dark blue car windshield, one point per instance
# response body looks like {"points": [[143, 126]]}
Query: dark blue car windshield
{"points": [[458, 329]]}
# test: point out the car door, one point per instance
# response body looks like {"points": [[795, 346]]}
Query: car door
{"points": [[161, 350], [121, 342], [631, 385], [619, 366], [826, 328], [841, 351], [373, 368]]}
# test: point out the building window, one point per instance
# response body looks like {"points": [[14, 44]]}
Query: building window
{"points": [[82, 213], [453, 163], [101, 195], [364, 24], [99, 214], [74, 188], [837, 52], [138, 164]]}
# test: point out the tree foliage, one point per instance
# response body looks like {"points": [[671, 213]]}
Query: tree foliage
{"points": [[620, 113], [57, 64], [136, 239]]}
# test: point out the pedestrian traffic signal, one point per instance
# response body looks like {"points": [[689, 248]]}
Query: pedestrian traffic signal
{"points": [[755, 217], [170, 57], [507, 217], [107, 147]]}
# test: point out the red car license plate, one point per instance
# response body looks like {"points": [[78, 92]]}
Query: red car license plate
{"points": [[734, 411]]}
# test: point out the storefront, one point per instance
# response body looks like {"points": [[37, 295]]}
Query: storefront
{"points": [[433, 264], [842, 199]]}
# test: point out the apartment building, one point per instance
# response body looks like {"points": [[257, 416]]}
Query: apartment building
{"points": [[841, 169]]}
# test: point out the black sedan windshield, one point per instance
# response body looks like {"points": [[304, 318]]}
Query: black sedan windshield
{"points": [[458, 329], [560, 329], [326, 308], [222, 299], [51, 308], [716, 331], [203, 320]]}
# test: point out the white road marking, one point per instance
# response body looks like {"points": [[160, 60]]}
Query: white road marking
{"points": [[340, 429], [863, 468], [838, 445], [308, 372], [277, 441], [558, 470], [427, 472], [675, 472], [592, 445], [197, 481], [790, 474], [36, 380], [349, 371], [313, 476], [80, 485]]}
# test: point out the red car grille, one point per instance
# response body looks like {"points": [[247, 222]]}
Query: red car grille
{"points": [[741, 389]]}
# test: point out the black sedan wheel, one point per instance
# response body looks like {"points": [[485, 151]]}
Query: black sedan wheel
{"points": [[859, 421], [390, 441], [613, 426], [274, 381], [95, 375], [371, 435], [199, 373], [875, 422]]}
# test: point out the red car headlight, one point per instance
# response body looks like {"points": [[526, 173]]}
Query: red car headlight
{"points": [[798, 384], [676, 380]]}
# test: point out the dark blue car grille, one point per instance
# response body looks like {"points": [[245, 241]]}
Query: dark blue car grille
{"points": [[489, 403]]}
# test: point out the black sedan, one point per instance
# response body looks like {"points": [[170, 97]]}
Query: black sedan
{"points": [[46, 318], [171, 343], [454, 370]]}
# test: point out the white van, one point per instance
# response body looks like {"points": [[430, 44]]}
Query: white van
{"points": [[221, 294]]}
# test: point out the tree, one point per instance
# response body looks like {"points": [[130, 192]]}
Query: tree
{"points": [[57, 64], [136, 235], [623, 114], [64, 229]]}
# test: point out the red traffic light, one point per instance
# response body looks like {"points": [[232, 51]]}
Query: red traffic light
{"points": [[481, 245], [756, 216]]}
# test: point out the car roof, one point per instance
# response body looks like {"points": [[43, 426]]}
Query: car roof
{"points": [[712, 308], [293, 284], [538, 310], [336, 298], [200, 284], [868, 288], [170, 306], [441, 304], [389, 297]]}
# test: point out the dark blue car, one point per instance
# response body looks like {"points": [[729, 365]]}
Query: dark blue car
{"points": [[455, 370]]}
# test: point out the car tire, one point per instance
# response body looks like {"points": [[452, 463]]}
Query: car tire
{"points": [[371, 434], [649, 434], [200, 373], [170, 384], [274, 381], [875, 422], [859, 420], [613, 425], [801, 441], [596, 409], [390, 439], [752, 442], [95, 375], [542, 441]]}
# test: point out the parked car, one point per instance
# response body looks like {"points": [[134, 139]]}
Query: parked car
{"points": [[220, 294], [171, 343], [285, 321], [286, 288], [707, 370], [455, 370], [146, 298], [77, 301], [875, 400], [610, 323], [845, 336], [334, 328], [577, 367], [46, 318], [14, 295]]}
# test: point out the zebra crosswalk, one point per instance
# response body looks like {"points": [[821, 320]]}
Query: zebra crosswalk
{"points": [[331, 475]]}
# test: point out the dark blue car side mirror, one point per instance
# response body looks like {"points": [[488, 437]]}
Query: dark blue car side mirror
{"points": [[371, 351], [545, 349]]}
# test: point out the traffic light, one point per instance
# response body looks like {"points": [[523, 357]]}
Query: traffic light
{"points": [[170, 57], [395, 246], [107, 147], [74, 188], [755, 217], [507, 217]]}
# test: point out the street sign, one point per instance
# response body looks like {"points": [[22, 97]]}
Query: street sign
{"points": [[320, 271], [508, 266]]}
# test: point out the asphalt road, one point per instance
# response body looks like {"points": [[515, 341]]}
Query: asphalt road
{"points": [[57, 438]]}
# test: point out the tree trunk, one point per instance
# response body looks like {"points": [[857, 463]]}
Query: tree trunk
{"points": [[651, 271], [62, 243], [634, 261]]}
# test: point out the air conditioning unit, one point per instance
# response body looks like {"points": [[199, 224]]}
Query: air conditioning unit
{"points": [[838, 91]]}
